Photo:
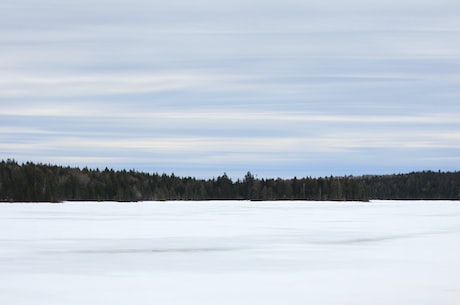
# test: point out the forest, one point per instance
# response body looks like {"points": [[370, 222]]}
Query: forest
{"points": [[30, 182]]}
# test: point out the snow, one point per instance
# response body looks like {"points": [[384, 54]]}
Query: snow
{"points": [[230, 252]]}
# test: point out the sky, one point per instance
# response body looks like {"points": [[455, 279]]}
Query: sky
{"points": [[198, 88]]}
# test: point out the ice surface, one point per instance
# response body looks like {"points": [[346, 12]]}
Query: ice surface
{"points": [[382, 252]]}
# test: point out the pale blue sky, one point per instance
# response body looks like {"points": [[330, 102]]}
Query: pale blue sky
{"points": [[280, 88]]}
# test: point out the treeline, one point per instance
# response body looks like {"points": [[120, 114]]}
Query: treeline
{"points": [[41, 182]]}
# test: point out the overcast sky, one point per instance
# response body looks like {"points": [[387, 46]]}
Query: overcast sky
{"points": [[279, 88]]}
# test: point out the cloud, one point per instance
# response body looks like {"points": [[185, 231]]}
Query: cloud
{"points": [[105, 84], [280, 87]]}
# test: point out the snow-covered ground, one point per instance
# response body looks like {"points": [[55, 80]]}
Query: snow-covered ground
{"points": [[235, 253]]}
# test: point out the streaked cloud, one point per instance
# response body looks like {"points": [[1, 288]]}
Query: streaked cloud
{"points": [[281, 88]]}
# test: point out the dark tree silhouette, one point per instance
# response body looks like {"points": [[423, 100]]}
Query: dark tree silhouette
{"points": [[40, 182]]}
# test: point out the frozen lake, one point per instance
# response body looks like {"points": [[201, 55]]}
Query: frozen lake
{"points": [[235, 253]]}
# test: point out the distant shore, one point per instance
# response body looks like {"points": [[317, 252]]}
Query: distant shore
{"points": [[30, 182]]}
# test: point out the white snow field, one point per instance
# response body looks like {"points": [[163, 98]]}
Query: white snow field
{"points": [[230, 252]]}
